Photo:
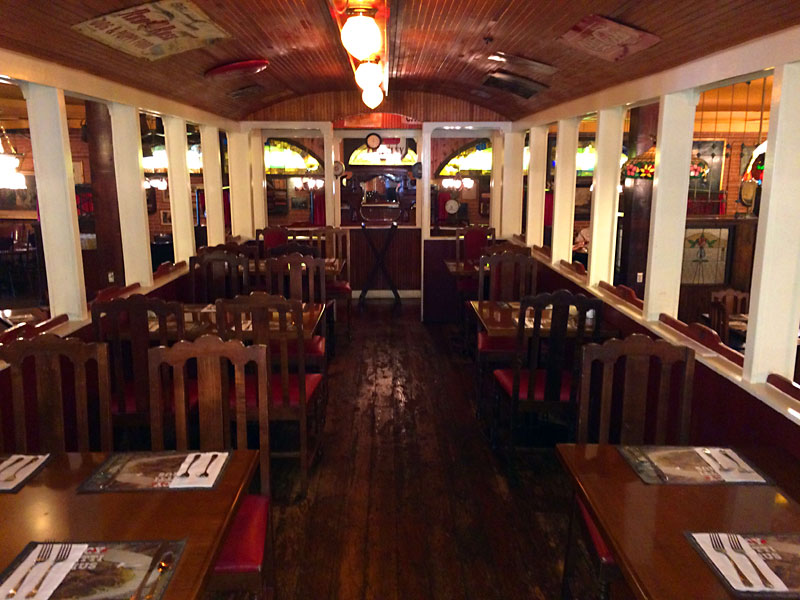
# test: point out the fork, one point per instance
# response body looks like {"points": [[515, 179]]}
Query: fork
{"points": [[716, 543], [707, 452], [736, 546], [208, 466], [63, 553], [44, 554], [21, 466]]}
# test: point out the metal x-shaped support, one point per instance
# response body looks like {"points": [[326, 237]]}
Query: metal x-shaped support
{"points": [[379, 264]]}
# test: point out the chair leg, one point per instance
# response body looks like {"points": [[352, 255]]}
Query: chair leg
{"points": [[569, 552], [304, 456]]}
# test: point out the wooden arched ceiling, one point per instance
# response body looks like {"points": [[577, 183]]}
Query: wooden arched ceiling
{"points": [[436, 46]]}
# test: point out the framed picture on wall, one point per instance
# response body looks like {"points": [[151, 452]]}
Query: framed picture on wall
{"points": [[166, 217]]}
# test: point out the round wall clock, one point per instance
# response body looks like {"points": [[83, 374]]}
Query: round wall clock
{"points": [[373, 141]]}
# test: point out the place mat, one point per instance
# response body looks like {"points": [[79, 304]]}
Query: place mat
{"points": [[96, 571], [16, 469], [142, 471], [769, 559], [690, 465]]}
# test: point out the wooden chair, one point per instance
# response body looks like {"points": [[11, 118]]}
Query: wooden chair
{"points": [[510, 277], [297, 277], [337, 245], [43, 425], [243, 563], [270, 237], [628, 415], [508, 248], [472, 242], [544, 377], [125, 325], [293, 248], [725, 303], [219, 274]]}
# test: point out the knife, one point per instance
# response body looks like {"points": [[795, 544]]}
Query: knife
{"points": [[153, 564]]}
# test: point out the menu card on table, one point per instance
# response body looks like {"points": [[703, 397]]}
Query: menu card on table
{"points": [[16, 469], [157, 470], [689, 465], [753, 565], [92, 571]]}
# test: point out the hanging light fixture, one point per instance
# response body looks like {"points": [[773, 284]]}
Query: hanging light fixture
{"points": [[10, 178], [369, 74], [361, 35], [372, 96]]}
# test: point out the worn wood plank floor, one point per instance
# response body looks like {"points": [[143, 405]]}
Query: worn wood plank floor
{"points": [[407, 500]]}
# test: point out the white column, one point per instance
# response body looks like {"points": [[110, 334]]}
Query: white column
{"points": [[668, 208], [337, 184], [420, 199], [496, 183], [134, 225], [55, 188], [258, 184], [775, 290], [212, 185], [180, 197], [511, 207], [564, 199], [424, 208], [239, 174], [330, 179], [605, 197], [537, 181]]}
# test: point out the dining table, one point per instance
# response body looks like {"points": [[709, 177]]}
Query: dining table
{"points": [[499, 319], [50, 507], [645, 526]]}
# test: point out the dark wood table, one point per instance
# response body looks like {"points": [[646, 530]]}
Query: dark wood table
{"points": [[497, 318], [462, 268], [48, 508], [333, 266], [644, 525]]}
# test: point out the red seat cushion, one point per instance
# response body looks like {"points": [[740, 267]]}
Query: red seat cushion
{"points": [[487, 343], [505, 377], [251, 389], [129, 398], [314, 346], [338, 286], [599, 544], [243, 548]]}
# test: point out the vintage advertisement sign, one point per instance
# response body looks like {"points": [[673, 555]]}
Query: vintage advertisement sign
{"points": [[607, 39], [154, 30]]}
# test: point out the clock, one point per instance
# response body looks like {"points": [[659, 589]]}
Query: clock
{"points": [[373, 141], [451, 206]]}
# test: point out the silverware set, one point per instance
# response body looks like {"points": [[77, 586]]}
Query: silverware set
{"points": [[19, 464], [195, 458], [736, 548], [45, 551], [722, 467]]}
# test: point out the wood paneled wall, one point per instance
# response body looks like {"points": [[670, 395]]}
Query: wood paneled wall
{"points": [[332, 106], [402, 258]]}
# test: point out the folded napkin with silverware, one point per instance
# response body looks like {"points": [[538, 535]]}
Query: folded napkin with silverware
{"points": [[744, 562], [729, 465], [199, 470], [17, 468], [42, 571]]}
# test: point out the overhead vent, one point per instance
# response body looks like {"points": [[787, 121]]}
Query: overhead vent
{"points": [[522, 65], [607, 39], [246, 92], [519, 86]]}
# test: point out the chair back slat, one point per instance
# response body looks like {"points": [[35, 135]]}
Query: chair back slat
{"points": [[640, 357], [213, 357], [471, 242], [511, 276], [44, 356], [219, 274]]}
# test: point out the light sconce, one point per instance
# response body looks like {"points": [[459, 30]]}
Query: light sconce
{"points": [[361, 36], [369, 74], [372, 96]]}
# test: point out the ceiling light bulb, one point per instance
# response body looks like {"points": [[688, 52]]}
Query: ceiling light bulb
{"points": [[469, 183], [372, 96], [369, 74], [362, 37]]}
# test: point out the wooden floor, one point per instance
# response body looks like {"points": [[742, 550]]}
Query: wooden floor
{"points": [[407, 500]]}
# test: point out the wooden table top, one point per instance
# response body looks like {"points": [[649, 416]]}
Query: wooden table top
{"points": [[49, 508], [201, 319], [333, 266], [644, 525], [462, 268], [498, 318]]}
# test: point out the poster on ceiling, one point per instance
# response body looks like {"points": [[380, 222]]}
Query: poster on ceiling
{"points": [[154, 30]]}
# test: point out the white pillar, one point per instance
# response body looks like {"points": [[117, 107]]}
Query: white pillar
{"points": [[239, 174], [337, 184], [330, 179], [564, 199], [775, 290], [212, 185], [496, 183], [511, 207], [668, 208], [134, 226], [537, 181], [420, 199], [424, 209], [55, 189], [605, 197], [180, 197], [258, 178]]}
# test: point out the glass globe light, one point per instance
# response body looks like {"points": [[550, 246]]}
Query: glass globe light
{"points": [[369, 74], [372, 96], [362, 37]]}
